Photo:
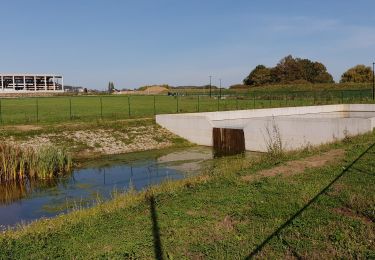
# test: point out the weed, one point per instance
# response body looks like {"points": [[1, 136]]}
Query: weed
{"points": [[19, 164]]}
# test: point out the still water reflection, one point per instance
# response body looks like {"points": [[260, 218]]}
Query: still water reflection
{"points": [[24, 202]]}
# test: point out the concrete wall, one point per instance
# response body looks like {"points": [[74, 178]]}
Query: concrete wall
{"points": [[193, 127], [295, 132]]}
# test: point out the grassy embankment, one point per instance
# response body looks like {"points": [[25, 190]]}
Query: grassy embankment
{"points": [[92, 139], [90, 108], [226, 212]]}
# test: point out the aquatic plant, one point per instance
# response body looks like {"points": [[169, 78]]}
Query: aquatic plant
{"points": [[21, 163]]}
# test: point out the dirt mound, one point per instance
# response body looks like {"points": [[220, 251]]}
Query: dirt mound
{"points": [[155, 90]]}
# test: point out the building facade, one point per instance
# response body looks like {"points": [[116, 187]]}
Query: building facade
{"points": [[13, 83]]}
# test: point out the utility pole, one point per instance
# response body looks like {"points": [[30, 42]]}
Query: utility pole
{"points": [[210, 85], [220, 89], [373, 81]]}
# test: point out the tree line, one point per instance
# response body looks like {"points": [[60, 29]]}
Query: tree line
{"points": [[298, 71]]}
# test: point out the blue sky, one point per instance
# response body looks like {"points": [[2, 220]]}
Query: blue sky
{"points": [[139, 42]]}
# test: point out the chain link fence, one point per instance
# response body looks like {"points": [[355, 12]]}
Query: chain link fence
{"points": [[87, 108]]}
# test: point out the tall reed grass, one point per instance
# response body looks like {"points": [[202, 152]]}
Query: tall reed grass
{"points": [[17, 163]]}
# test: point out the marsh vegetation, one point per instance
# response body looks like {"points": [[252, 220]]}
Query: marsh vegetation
{"points": [[25, 163]]}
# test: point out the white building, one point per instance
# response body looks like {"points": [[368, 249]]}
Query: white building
{"points": [[15, 83]]}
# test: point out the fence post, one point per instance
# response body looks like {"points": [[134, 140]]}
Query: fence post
{"points": [[218, 103], [342, 97], [37, 110], [1, 114], [70, 108], [254, 101], [177, 103], [129, 105], [101, 108], [198, 102], [314, 97], [154, 105], [237, 102]]}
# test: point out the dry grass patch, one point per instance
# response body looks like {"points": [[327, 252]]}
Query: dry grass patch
{"points": [[298, 166]]}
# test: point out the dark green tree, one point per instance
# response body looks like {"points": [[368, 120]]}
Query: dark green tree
{"points": [[111, 87], [261, 75], [290, 70], [357, 74]]}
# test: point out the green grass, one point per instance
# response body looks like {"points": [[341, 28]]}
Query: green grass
{"points": [[88, 108], [60, 135], [217, 215], [284, 88]]}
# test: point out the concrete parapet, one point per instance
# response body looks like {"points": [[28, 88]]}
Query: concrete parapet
{"points": [[296, 126]]}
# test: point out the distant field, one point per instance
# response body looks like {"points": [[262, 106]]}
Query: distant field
{"points": [[87, 108], [285, 88]]}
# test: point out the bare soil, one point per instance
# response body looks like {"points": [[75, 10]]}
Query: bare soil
{"points": [[298, 166]]}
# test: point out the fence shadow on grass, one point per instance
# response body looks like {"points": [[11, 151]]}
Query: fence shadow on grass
{"points": [[277, 232], [158, 249]]}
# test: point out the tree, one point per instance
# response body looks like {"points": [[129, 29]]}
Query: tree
{"points": [[358, 74], [290, 70], [111, 87], [261, 75]]}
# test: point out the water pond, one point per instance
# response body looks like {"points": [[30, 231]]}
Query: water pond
{"points": [[96, 180]]}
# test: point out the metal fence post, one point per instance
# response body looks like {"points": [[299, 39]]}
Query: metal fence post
{"points": [[254, 101], [129, 106], [342, 97], [198, 103], [37, 110], [314, 97], [70, 108], [101, 108], [154, 105], [218, 103], [177, 103], [237, 102], [1, 114]]}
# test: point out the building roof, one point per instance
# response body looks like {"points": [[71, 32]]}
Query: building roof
{"points": [[30, 74]]}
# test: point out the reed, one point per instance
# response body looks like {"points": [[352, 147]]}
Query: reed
{"points": [[18, 163]]}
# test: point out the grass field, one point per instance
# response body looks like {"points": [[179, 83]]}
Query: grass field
{"points": [[284, 88], [224, 214], [88, 108]]}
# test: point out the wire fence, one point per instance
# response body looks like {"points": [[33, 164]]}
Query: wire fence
{"points": [[86, 108]]}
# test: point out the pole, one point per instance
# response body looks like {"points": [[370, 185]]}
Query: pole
{"points": [[373, 81], [218, 103], [198, 103], [129, 105], [254, 101], [154, 106], [210, 85], [101, 108], [70, 108], [220, 88], [37, 110], [1, 115], [177, 102], [342, 97]]}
